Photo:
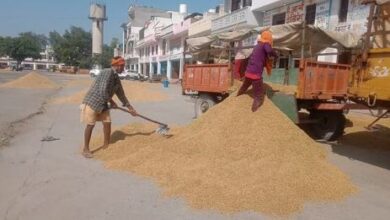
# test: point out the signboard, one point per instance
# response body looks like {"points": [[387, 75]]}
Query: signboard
{"points": [[322, 15], [295, 12], [343, 27], [176, 56]]}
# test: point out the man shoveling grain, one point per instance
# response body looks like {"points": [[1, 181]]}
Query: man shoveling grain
{"points": [[95, 104]]}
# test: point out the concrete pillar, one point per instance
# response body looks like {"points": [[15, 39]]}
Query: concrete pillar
{"points": [[123, 42], [168, 50], [169, 69], [34, 66], [159, 68], [150, 68], [182, 60], [47, 66], [181, 67]]}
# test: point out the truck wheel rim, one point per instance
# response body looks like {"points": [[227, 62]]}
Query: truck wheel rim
{"points": [[204, 106]]}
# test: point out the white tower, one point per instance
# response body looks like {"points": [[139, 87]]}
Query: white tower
{"points": [[183, 9], [97, 14]]}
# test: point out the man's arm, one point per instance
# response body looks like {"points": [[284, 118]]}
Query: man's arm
{"points": [[120, 93], [270, 52]]}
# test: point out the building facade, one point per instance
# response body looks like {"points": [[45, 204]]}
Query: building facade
{"points": [[137, 18], [155, 39], [157, 47], [46, 61], [334, 15]]}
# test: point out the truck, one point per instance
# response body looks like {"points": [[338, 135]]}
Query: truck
{"points": [[370, 78], [324, 91]]}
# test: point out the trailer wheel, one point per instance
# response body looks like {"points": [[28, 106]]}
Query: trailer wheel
{"points": [[329, 126], [203, 103]]}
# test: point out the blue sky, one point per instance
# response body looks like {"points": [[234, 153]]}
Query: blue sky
{"points": [[43, 16]]}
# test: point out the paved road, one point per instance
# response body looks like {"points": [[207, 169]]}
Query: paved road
{"points": [[50, 180]]}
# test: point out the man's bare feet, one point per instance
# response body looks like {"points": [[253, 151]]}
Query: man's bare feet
{"points": [[87, 154], [105, 146]]}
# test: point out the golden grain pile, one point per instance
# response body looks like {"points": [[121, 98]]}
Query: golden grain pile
{"points": [[79, 82], [135, 91], [232, 160], [32, 80]]}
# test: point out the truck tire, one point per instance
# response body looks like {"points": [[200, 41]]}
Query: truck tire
{"points": [[329, 126], [203, 103]]}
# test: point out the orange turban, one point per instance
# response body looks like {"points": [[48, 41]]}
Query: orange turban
{"points": [[265, 37], [117, 61]]}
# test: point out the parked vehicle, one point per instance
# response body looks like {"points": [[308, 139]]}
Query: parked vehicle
{"points": [[323, 90], [95, 71], [15, 67], [142, 77], [132, 75], [129, 75], [208, 83]]}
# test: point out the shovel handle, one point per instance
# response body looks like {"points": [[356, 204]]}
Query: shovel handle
{"points": [[141, 116]]}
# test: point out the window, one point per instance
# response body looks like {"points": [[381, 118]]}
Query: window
{"points": [[310, 16], [142, 34], [247, 3], [235, 5], [343, 10], [283, 63], [156, 49], [296, 63], [279, 18]]}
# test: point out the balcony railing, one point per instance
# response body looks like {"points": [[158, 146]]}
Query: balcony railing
{"points": [[200, 26], [242, 16], [165, 31]]}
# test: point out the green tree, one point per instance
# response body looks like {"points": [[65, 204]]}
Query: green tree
{"points": [[74, 48], [114, 42], [40, 38], [5, 45], [56, 41], [22, 47]]}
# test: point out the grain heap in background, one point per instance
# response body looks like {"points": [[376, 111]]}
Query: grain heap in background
{"points": [[232, 160], [79, 82], [32, 80], [135, 91]]}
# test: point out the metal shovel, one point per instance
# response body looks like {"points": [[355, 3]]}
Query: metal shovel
{"points": [[163, 129]]}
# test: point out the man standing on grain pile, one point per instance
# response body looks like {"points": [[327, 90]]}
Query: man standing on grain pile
{"points": [[95, 104], [259, 60]]}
